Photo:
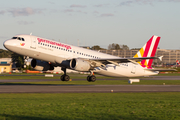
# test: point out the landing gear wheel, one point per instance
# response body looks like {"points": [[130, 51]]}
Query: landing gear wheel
{"points": [[91, 78], [88, 78], [62, 77], [65, 78]]}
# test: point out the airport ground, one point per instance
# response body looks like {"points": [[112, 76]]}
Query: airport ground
{"points": [[34, 97]]}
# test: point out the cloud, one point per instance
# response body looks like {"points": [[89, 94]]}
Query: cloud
{"points": [[126, 3], [2, 12], [101, 5], [24, 11], [95, 12], [107, 15], [25, 22], [51, 2], [144, 2], [173, 0], [68, 10], [73, 11], [77, 6]]}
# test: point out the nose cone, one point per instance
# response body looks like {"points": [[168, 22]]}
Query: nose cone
{"points": [[8, 44]]}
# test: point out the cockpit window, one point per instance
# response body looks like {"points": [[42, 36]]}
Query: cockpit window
{"points": [[14, 38], [18, 38]]}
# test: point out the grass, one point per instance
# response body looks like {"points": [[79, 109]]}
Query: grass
{"points": [[57, 76], [80, 79], [100, 82], [88, 106]]}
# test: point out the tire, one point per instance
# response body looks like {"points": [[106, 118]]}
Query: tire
{"points": [[88, 78], [93, 78], [62, 78], [66, 78]]}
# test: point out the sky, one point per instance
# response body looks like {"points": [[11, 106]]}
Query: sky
{"points": [[93, 22]]}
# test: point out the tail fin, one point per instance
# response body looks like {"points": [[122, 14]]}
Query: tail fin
{"points": [[148, 50]]}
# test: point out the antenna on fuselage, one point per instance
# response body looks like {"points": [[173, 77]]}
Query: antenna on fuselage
{"points": [[31, 33]]}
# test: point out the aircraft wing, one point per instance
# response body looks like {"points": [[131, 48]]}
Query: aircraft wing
{"points": [[116, 61]]}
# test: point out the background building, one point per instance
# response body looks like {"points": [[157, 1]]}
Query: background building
{"points": [[5, 65]]}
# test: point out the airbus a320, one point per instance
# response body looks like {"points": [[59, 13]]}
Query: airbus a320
{"points": [[48, 54]]}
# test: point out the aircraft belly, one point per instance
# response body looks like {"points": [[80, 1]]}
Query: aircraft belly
{"points": [[113, 72], [122, 71]]}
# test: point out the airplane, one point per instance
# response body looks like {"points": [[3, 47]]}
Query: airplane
{"points": [[48, 54]]}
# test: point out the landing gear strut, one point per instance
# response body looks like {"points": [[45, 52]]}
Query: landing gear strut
{"points": [[64, 77], [91, 78]]}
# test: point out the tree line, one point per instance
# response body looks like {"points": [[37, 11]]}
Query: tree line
{"points": [[112, 46]]}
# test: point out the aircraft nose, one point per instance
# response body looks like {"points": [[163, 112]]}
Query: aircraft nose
{"points": [[7, 44]]}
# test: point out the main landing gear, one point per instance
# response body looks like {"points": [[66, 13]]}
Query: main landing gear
{"points": [[91, 78], [64, 77]]}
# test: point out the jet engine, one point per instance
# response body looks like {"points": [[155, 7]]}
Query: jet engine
{"points": [[80, 65], [41, 65]]}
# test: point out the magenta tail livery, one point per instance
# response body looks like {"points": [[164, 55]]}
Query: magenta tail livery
{"points": [[148, 50], [48, 54]]}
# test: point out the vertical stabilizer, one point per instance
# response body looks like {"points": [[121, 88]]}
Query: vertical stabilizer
{"points": [[148, 50]]}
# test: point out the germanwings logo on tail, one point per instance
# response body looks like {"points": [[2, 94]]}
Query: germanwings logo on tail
{"points": [[148, 50]]}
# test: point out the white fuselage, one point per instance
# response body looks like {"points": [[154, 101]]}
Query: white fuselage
{"points": [[56, 52]]}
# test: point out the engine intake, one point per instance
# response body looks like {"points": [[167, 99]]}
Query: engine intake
{"points": [[41, 65], [80, 65]]}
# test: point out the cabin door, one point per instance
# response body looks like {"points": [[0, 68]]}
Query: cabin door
{"points": [[133, 69], [33, 42]]}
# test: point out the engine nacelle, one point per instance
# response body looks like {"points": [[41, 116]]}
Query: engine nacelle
{"points": [[80, 65], [41, 65]]}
